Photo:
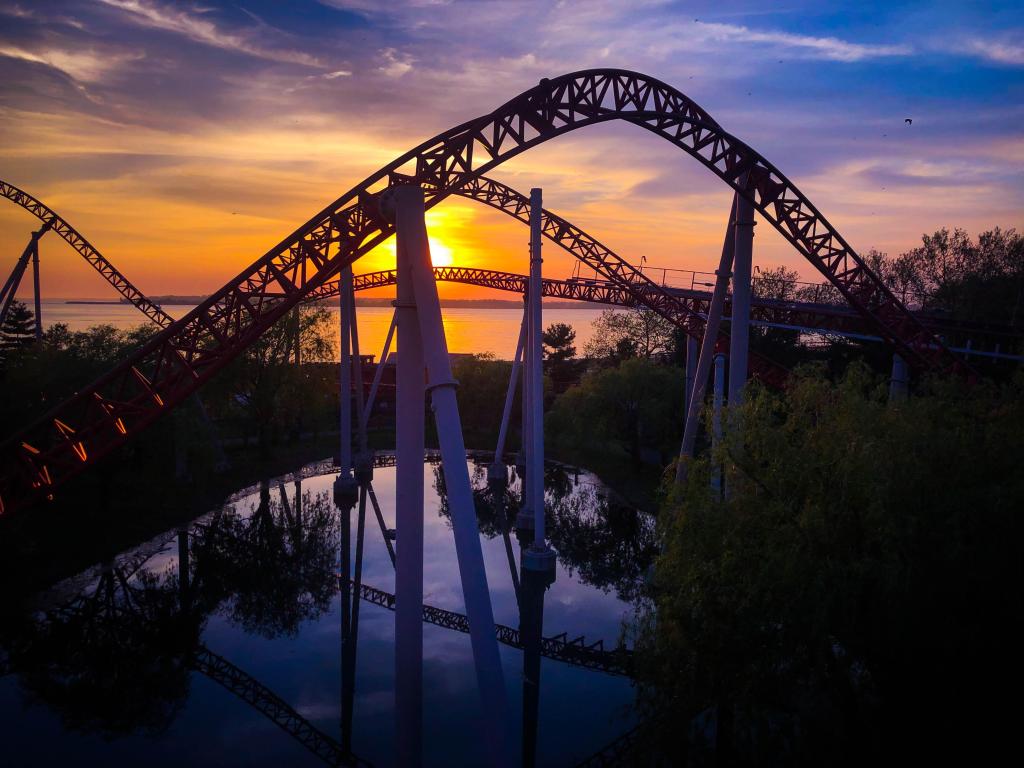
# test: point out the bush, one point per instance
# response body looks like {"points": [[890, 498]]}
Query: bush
{"points": [[853, 594]]}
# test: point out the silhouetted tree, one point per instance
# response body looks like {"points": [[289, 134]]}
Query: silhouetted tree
{"points": [[634, 332], [849, 597], [558, 343], [18, 330]]}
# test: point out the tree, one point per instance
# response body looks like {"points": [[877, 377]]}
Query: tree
{"points": [[558, 343], [849, 598], [265, 387], [18, 330], [559, 352], [634, 332], [625, 409]]}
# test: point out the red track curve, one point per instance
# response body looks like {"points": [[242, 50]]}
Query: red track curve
{"points": [[177, 361], [107, 270]]}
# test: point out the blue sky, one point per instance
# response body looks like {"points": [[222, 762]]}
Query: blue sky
{"points": [[186, 138]]}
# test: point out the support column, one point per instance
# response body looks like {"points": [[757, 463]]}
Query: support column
{"points": [[535, 470], [739, 328], [716, 422], [497, 472], [707, 348], [531, 632], [184, 584], [345, 489], [409, 449], [414, 249], [692, 352], [524, 520], [35, 280], [14, 279], [899, 383], [538, 556]]}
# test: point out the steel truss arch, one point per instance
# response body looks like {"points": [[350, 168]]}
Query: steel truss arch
{"points": [[96, 260], [177, 361], [786, 314]]}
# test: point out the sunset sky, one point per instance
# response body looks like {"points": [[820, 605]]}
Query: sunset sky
{"points": [[184, 139]]}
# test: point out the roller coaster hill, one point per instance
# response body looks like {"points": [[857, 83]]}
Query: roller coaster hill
{"points": [[304, 267]]}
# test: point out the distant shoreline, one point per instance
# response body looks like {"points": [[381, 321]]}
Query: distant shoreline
{"points": [[179, 301]]}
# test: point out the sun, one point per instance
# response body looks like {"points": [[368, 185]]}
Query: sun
{"points": [[440, 254]]}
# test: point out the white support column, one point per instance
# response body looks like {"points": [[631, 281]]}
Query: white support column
{"points": [[716, 421], [409, 449], [510, 395], [739, 328], [345, 372], [357, 376], [707, 348], [379, 372], [899, 383], [692, 351], [535, 470], [524, 519], [414, 249]]}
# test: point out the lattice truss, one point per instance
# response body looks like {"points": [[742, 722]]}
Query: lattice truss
{"points": [[177, 361]]}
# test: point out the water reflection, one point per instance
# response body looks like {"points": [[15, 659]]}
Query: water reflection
{"points": [[606, 542], [272, 569], [113, 661], [224, 596]]}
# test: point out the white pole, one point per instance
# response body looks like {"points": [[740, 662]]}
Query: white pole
{"points": [[415, 249], [345, 369], [707, 348], [535, 471], [357, 372], [716, 422], [692, 351], [524, 520], [510, 394], [377, 374], [409, 449], [899, 383], [739, 328]]}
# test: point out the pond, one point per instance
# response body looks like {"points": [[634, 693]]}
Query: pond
{"points": [[222, 642]]}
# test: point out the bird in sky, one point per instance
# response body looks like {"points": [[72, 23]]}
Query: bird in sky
{"points": [[908, 120]]}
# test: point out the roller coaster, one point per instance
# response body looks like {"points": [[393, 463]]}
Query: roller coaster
{"points": [[177, 361]]}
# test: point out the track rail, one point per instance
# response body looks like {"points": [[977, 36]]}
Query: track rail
{"points": [[618, 661], [281, 713], [179, 360], [96, 260]]}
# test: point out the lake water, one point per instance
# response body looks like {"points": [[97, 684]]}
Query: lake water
{"points": [[467, 329], [236, 659]]}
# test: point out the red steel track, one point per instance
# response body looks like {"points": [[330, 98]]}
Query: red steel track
{"points": [[802, 315], [178, 360], [107, 270]]}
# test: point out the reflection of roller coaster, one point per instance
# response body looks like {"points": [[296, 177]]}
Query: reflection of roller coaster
{"points": [[575, 651], [276, 709], [114, 601], [618, 661], [177, 361]]}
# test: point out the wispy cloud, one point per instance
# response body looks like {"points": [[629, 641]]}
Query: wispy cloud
{"points": [[200, 30], [85, 66], [395, 63], [832, 48], [999, 51]]}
